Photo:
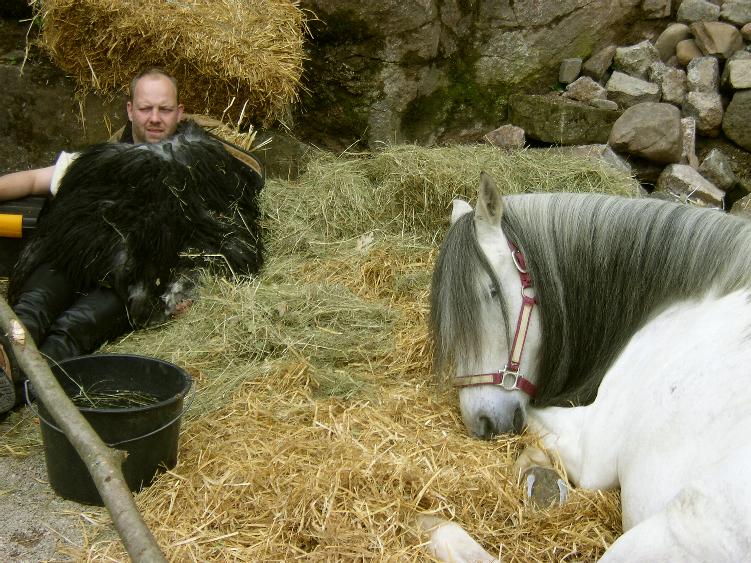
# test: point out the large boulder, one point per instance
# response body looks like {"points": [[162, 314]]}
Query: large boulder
{"points": [[717, 39], [635, 60], [627, 90], [559, 120], [737, 12], [691, 11], [669, 38], [672, 82], [686, 184], [736, 123], [649, 130]]}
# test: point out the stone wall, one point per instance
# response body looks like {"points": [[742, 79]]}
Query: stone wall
{"points": [[435, 70], [426, 71]]}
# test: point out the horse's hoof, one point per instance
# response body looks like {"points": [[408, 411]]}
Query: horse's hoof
{"points": [[543, 487]]}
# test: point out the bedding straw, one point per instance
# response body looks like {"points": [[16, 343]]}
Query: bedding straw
{"points": [[318, 431]]}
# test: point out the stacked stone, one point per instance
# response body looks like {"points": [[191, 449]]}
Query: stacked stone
{"points": [[694, 79]]}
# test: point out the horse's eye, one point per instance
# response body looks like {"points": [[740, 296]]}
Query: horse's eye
{"points": [[493, 292]]}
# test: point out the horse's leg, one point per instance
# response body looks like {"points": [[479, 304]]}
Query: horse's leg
{"points": [[451, 543], [573, 436]]}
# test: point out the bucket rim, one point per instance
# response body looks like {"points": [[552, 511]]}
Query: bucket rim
{"points": [[179, 396]]}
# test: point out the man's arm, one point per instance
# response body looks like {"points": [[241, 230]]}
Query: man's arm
{"points": [[28, 182]]}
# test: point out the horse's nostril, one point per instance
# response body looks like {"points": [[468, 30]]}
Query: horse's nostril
{"points": [[518, 423], [486, 428]]}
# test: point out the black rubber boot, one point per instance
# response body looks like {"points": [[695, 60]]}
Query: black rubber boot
{"points": [[83, 327], [11, 379], [44, 296]]}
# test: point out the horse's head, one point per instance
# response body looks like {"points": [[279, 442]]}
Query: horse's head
{"points": [[481, 317]]}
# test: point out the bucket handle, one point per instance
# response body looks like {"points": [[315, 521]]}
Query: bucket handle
{"points": [[189, 403]]}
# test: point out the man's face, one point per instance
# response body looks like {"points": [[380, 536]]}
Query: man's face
{"points": [[154, 111]]}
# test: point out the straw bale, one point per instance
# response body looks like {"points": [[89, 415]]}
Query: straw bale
{"points": [[318, 432], [239, 61]]}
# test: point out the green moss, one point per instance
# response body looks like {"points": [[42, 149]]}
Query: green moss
{"points": [[462, 101], [582, 47]]}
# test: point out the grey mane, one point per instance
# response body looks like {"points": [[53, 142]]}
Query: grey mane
{"points": [[456, 299], [601, 267]]}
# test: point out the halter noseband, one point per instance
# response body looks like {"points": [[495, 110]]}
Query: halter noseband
{"points": [[509, 378]]}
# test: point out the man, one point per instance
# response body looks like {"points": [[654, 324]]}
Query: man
{"points": [[64, 321], [153, 112]]}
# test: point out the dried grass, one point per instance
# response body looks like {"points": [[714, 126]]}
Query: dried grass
{"points": [[280, 474], [239, 61], [318, 432]]}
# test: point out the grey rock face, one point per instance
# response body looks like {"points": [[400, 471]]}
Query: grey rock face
{"points": [[649, 130], [725, 76], [430, 70], [688, 135], [40, 113], [604, 104], [673, 86], [672, 82], [656, 8], [739, 74], [569, 70], [507, 137], [686, 51]]}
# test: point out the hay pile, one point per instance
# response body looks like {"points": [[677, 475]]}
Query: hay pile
{"points": [[239, 61], [318, 432]]}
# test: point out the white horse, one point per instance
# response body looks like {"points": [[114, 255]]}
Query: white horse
{"points": [[630, 356]]}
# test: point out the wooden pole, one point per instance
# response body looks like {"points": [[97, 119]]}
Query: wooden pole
{"points": [[103, 463]]}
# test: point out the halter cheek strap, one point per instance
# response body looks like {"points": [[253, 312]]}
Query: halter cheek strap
{"points": [[509, 378]]}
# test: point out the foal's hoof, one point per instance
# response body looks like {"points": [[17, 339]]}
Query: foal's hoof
{"points": [[543, 487]]}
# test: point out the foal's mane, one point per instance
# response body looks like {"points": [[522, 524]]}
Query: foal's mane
{"points": [[601, 267]]}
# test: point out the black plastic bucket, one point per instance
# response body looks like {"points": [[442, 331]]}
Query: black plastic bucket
{"points": [[149, 434]]}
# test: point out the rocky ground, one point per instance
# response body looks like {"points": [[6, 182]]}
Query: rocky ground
{"points": [[35, 523]]}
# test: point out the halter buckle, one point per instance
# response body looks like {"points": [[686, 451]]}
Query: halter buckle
{"points": [[509, 380]]}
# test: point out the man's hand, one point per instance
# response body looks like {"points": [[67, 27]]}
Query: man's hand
{"points": [[181, 307]]}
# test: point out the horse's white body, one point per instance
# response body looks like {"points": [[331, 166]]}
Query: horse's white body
{"points": [[671, 424]]}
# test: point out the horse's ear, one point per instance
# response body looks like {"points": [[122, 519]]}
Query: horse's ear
{"points": [[489, 201], [460, 208]]}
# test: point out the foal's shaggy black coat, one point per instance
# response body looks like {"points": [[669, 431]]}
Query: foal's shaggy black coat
{"points": [[124, 213]]}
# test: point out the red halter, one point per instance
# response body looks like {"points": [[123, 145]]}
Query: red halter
{"points": [[509, 378]]}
